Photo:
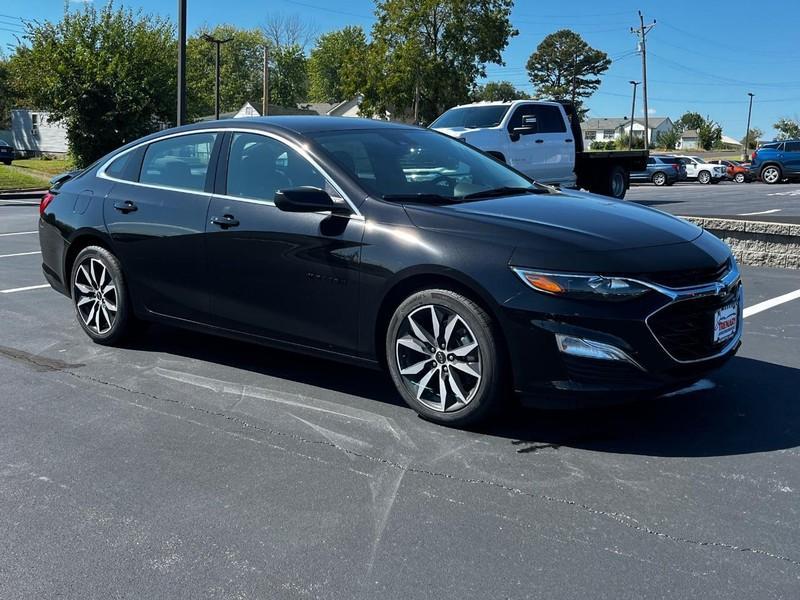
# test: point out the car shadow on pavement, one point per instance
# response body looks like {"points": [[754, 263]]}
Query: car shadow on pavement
{"points": [[748, 406], [656, 202]]}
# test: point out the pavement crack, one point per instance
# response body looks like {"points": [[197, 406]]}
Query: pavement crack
{"points": [[616, 517]]}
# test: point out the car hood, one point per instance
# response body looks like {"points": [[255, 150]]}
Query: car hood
{"points": [[564, 221]]}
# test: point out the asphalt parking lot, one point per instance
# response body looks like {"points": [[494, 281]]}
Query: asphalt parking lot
{"points": [[739, 200], [185, 466]]}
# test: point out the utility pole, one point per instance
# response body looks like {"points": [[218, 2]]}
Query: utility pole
{"points": [[265, 84], [747, 135], [633, 112], [217, 42], [641, 32], [181, 112], [416, 102]]}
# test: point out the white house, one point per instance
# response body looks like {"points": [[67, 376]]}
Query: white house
{"points": [[690, 140], [33, 132], [604, 129]]}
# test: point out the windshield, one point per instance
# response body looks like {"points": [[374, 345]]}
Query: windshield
{"points": [[419, 165], [472, 117]]}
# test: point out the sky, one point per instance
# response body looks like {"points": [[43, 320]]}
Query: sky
{"points": [[702, 56]]}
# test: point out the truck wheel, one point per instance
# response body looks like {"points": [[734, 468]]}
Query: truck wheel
{"points": [[659, 178], [704, 177]]}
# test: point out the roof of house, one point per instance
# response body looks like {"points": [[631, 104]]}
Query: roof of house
{"points": [[614, 123], [335, 109], [689, 134], [274, 109]]}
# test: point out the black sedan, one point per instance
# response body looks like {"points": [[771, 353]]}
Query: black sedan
{"points": [[392, 246]]}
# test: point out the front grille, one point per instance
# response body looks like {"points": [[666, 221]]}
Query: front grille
{"points": [[689, 277], [686, 328]]}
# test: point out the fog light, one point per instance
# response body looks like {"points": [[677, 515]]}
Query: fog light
{"points": [[583, 348]]}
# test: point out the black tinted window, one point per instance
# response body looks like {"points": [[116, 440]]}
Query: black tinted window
{"points": [[118, 167], [473, 117], [259, 166], [180, 162], [540, 118], [792, 147]]}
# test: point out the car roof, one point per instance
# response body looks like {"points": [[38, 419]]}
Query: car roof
{"points": [[303, 124]]}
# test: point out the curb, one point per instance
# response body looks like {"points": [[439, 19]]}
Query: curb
{"points": [[757, 243]]}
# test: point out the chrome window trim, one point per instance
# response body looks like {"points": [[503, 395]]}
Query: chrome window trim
{"points": [[101, 173]]}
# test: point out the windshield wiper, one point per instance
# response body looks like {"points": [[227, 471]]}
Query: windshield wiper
{"points": [[438, 198], [505, 191]]}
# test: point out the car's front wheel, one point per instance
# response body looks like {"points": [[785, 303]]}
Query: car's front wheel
{"points": [[100, 296], [739, 178], [704, 177], [445, 357]]}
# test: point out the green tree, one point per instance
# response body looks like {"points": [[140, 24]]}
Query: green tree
{"points": [[691, 120], [288, 76], [708, 134], [669, 139], [7, 95], [755, 136], [565, 67], [107, 73], [241, 64], [326, 65], [498, 90], [787, 128], [428, 54]]}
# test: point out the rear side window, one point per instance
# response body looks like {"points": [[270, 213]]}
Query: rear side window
{"points": [[180, 162], [773, 146], [117, 168], [792, 146]]}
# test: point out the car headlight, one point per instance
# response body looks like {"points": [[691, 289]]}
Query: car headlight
{"points": [[569, 285]]}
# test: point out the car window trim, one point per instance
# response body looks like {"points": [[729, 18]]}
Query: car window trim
{"points": [[101, 173]]}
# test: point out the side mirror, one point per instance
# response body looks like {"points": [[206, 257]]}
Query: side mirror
{"points": [[305, 199]]}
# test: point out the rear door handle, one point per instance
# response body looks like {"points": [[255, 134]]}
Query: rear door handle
{"points": [[126, 207], [539, 141], [225, 221], [568, 140]]}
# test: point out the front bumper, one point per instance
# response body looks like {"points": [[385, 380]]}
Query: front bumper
{"points": [[664, 338]]}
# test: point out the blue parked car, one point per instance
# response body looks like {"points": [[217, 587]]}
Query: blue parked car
{"points": [[6, 152], [776, 161], [661, 170]]}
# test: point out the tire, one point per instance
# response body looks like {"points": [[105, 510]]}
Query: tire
{"points": [[739, 178], [704, 177], [425, 365], [7, 162], [771, 174], [100, 296], [659, 178]]}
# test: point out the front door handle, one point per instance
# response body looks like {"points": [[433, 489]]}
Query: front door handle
{"points": [[225, 221], [125, 207], [539, 141]]}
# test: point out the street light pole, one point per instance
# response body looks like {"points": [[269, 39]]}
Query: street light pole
{"points": [[633, 112], [217, 42], [747, 134], [181, 112]]}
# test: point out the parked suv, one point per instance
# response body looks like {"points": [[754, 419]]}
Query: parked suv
{"points": [[6, 152], [703, 172], [661, 170], [777, 161]]}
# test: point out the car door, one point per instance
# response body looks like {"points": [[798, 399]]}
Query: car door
{"points": [[526, 150], [275, 274], [691, 167], [791, 158], [646, 174], [559, 146], [155, 214]]}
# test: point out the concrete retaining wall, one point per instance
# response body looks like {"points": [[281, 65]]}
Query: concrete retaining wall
{"points": [[757, 243]]}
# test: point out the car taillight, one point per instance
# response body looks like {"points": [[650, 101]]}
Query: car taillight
{"points": [[46, 200], [675, 166], [753, 157]]}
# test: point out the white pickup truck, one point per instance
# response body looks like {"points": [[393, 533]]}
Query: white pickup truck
{"points": [[544, 141]]}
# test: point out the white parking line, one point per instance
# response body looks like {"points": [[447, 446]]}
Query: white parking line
{"points": [[20, 254], [18, 233], [767, 304], [25, 289], [763, 212]]}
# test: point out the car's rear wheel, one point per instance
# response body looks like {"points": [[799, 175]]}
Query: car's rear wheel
{"points": [[771, 174], [704, 177], [445, 358], [739, 178], [100, 296], [659, 178], [7, 162]]}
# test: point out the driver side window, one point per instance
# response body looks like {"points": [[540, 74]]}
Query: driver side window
{"points": [[259, 166]]}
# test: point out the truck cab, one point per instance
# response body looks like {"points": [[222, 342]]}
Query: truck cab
{"points": [[533, 137]]}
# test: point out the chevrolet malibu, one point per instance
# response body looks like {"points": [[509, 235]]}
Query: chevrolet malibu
{"points": [[390, 246]]}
